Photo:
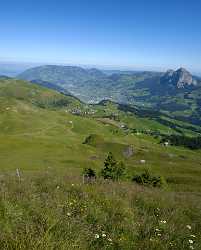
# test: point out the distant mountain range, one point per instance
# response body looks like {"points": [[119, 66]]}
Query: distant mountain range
{"points": [[177, 93], [90, 85]]}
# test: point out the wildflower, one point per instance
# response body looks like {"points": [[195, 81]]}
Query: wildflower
{"points": [[190, 241], [109, 239], [157, 230], [159, 234], [163, 221], [103, 235], [188, 226], [191, 247], [69, 214], [72, 184], [192, 235], [58, 187], [97, 236]]}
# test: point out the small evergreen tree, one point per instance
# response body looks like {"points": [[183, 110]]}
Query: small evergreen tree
{"points": [[112, 169]]}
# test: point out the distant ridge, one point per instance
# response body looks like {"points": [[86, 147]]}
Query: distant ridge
{"points": [[4, 77], [62, 75]]}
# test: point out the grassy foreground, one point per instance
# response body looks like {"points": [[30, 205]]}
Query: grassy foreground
{"points": [[47, 210]]}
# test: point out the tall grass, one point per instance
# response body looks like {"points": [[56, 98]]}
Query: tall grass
{"points": [[50, 211]]}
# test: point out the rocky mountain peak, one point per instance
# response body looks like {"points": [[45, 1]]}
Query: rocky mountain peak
{"points": [[179, 78]]}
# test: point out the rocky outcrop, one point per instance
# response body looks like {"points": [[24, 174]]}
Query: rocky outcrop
{"points": [[128, 151], [179, 78]]}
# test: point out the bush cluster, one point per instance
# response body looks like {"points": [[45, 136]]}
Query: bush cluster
{"points": [[146, 178], [114, 170]]}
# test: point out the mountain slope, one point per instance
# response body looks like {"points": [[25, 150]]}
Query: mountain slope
{"points": [[22, 91], [38, 130], [176, 92]]}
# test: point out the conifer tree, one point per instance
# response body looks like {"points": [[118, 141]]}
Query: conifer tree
{"points": [[112, 169]]}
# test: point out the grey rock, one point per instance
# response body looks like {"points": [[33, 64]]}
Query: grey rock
{"points": [[128, 151], [179, 78]]}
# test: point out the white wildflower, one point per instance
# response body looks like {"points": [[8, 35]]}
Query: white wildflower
{"points": [[103, 235], [109, 239], [192, 235], [191, 247], [190, 241], [97, 236], [163, 221], [69, 214], [188, 226]]}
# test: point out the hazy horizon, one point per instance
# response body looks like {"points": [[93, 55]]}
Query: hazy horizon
{"points": [[12, 68]]}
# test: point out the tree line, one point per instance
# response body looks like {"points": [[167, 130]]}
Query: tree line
{"points": [[182, 140]]}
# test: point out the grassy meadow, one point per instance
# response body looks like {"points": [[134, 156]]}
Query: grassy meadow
{"points": [[47, 210], [49, 207]]}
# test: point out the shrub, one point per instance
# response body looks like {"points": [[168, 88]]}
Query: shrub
{"points": [[93, 140], [89, 172], [112, 169], [89, 176], [146, 178]]}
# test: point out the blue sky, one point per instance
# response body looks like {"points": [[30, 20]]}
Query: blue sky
{"points": [[146, 34]]}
